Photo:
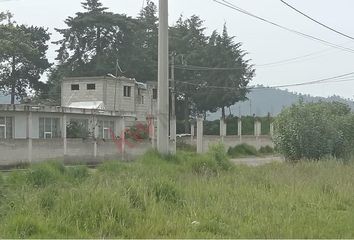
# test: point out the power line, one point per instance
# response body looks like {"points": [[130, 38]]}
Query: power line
{"points": [[316, 21], [234, 7], [263, 65], [199, 68], [339, 78]]}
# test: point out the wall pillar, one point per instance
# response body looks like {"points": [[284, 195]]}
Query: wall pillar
{"points": [[192, 132], [63, 130], [239, 128], [151, 122], [199, 135], [173, 135], [271, 131], [123, 138], [29, 137], [95, 136], [223, 128], [257, 128], [117, 130]]}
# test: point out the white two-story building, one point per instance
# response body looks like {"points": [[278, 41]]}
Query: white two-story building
{"points": [[103, 105]]}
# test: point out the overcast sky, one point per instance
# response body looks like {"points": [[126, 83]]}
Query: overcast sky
{"points": [[265, 43]]}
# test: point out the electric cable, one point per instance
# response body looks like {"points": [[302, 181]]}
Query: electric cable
{"points": [[316, 21]]}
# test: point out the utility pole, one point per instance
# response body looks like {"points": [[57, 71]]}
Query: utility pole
{"points": [[173, 107], [163, 88], [250, 107]]}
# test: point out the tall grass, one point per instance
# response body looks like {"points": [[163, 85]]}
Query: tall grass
{"points": [[183, 196]]}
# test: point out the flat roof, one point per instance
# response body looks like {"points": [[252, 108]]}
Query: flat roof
{"points": [[59, 109]]}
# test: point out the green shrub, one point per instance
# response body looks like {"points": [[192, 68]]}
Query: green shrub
{"points": [[24, 227], [16, 178], [78, 172], [166, 191], [112, 167], [217, 152], [136, 199], [183, 146], [266, 150], [314, 130], [242, 150], [47, 199], [43, 174], [204, 166], [1, 180]]}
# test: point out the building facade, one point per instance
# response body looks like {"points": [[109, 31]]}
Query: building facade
{"points": [[110, 93], [97, 105]]}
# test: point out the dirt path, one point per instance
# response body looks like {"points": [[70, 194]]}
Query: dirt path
{"points": [[257, 161]]}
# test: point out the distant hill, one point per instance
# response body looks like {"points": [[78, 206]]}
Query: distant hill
{"points": [[270, 100], [5, 99]]}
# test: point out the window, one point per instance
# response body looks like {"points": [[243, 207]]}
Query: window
{"points": [[91, 86], [78, 128], [49, 128], [75, 87], [154, 93], [141, 99], [105, 129], [6, 127], [127, 91]]}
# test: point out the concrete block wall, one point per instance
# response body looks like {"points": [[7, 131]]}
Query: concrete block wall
{"points": [[16, 151], [68, 96], [230, 141]]}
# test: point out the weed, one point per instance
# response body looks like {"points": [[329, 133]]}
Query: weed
{"points": [[165, 191], [242, 150], [187, 196], [77, 173], [42, 175]]}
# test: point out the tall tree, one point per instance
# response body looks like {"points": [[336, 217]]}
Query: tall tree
{"points": [[22, 58], [146, 43], [94, 40], [223, 87], [187, 42]]}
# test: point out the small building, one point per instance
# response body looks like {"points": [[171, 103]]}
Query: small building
{"points": [[110, 93], [94, 115], [95, 103]]}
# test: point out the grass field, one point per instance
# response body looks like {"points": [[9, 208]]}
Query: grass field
{"points": [[187, 196]]}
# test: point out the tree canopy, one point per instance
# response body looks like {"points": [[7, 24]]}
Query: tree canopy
{"points": [[212, 72], [22, 58]]}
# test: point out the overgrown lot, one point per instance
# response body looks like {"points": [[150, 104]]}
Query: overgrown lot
{"points": [[187, 196]]}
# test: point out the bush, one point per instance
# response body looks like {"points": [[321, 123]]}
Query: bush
{"points": [[166, 191], [43, 174], [314, 130], [183, 146], [266, 150], [77, 173], [217, 152], [204, 166], [242, 150]]}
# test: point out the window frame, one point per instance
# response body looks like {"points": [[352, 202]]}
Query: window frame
{"points": [[54, 130], [73, 87], [106, 126], [154, 94], [8, 128], [127, 91], [91, 86]]}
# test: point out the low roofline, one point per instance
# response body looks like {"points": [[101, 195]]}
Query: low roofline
{"points": [[97, 78], [121, 78], [58, 109]]}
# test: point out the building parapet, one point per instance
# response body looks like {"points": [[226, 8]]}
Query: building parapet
{"points": [[59, 109]]}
